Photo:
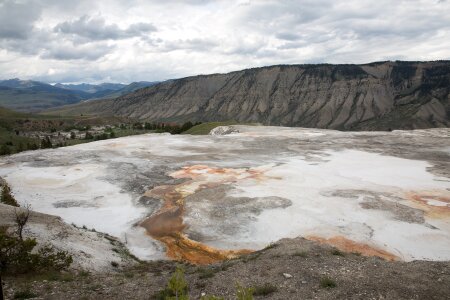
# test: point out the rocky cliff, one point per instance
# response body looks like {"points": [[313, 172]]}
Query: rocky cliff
{"points": [[376, 96]]}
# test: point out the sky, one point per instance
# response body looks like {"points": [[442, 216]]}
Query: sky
{"points": [[153, 40]]}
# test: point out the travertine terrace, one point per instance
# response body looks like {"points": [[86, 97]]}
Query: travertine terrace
{"points": [[207, 198]]}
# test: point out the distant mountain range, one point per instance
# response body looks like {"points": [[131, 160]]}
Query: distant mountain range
{"points": [[374, 96], [34, 96]]}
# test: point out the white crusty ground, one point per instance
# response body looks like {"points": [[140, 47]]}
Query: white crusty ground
{"points": [[103, 205]]}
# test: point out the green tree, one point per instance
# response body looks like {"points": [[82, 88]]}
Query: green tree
{"points": [[20, 147], [5, 150], [88, 136], [32, 146], [46, 143], [177, 284]]}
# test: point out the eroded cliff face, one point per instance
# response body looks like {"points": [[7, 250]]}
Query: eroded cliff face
{"points": [[377, 96]]}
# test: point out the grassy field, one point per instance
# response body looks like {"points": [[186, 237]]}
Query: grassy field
{"points": [[205, 128]]}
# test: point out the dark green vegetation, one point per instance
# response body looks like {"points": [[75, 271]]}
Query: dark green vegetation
{"points": [[376, 96], [24, 294], [327, 282], [264, 290], [172, 128], [19, 255], [205, 128], [337, 252], [6, 197], [34, 96], [23, 131], [177, 287]]}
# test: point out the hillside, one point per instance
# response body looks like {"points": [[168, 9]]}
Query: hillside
{"points": [[384, 95], [35, 96], [134, 86], [91, 88]]}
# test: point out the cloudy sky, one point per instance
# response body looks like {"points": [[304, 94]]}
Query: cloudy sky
{"points": [[125, 41]]}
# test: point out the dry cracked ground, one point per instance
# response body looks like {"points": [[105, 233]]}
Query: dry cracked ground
{"points": [[365, 212]]}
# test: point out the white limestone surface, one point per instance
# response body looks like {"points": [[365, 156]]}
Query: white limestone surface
{"points": [[316, 182]]}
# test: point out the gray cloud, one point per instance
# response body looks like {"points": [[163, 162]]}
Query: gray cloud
{"points": [[98, 29], [154, 40], [17, 19], [68, 51], [197, 44]]}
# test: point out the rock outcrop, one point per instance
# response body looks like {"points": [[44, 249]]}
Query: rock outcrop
{"points": [[223, 130], [376, 96]]}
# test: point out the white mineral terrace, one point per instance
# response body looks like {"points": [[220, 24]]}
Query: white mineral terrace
{"points": [[387, 193]]}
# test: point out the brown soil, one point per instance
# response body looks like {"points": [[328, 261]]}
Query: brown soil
{"points": [[356, 277]]}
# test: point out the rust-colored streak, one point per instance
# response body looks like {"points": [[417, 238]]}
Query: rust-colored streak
{"points": [[167, 224], [182, 248], [347, 245], [435, 204]]}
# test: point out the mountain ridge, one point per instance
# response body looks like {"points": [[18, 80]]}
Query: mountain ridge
{"points": [[35, 96], [373, 96]]}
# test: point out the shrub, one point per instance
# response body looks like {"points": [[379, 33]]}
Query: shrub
{"points": [[25, 294], [84, 273], [5, 150], [337, 252], [88, 136], [177, 287], [7, 197], [264, 290], [17, 255], [46, 143], [301, 254], [243, 293], [327, 282], [49, 259], [32, 146], [177, 284], [205, 273]]}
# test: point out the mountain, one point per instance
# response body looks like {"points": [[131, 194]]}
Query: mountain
{"points": [[32, 96], [134, 86], [92, 88], [375, 96], [107, 90]]}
